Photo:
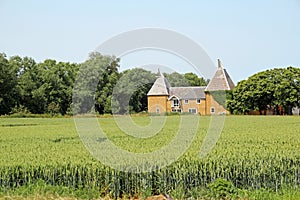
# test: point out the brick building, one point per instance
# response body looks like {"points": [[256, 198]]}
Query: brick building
{"points": [[163, 98]]}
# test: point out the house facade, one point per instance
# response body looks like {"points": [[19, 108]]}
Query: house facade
{"points": [[162, 98]]}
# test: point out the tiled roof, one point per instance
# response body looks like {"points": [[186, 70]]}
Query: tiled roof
{"points": [[188, 92], [160, 87], [221, 80]]}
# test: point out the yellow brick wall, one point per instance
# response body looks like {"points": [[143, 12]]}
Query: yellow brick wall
{"points": [[210, 102], [204, 108], [169, 104], [157, 102], [192, 103]]}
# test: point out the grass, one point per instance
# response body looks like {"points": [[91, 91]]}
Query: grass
{"points": [[41, 192], [253, 141]]}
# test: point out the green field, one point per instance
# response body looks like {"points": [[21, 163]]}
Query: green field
{"points": [[258, 155]]}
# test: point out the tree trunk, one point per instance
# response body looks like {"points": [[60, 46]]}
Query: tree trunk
{"points": [[290, 110], [277, 110]]}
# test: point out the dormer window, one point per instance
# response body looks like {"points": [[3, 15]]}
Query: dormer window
{"points": [[175, 102]]}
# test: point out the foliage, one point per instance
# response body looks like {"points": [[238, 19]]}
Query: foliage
{"points": [[176, 80], [267, 89], [37, 87], [221, 96], [183, 80], [48, 191], [48, 87], [221, 188], [95, 82], [194, 80], [108, 78], [9, 91], [130, 93]]}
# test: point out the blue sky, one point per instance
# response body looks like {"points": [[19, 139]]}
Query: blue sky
{"points": [[248, 36]]}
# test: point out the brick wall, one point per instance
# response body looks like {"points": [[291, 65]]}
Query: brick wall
{"points": [[211, 103], [157, 104], [192, 103]]}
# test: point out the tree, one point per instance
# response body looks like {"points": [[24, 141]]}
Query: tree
{"points": [[130, 93], [107, 80], [194, 80], [267, 89], [176, 80], [240, 101], [57, 84], [9, 92], [183, 80], [94, 84], [286, 84], [46, 87], [30, 81]]}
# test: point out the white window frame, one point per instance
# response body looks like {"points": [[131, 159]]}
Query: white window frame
{"points": [[186, 101], [173, 102], [198, 100]]}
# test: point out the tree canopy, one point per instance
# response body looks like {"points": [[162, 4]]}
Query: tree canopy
{"points": [[270, 89], [181, 80], [49, 86], [9, 90]]}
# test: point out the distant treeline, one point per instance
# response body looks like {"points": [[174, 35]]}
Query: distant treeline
{"points": [[47, 87]]}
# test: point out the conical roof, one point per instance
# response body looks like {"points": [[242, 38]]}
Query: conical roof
{"points": [[160, 87], [221, 80]]}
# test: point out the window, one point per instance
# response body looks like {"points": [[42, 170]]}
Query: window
{"points": [[186, 101], [157, 110], [193, 110], [198, 101], [175, 102], [176, 110], [212, 110]]}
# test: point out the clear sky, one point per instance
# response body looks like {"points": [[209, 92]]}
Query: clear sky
{"points": [[248, 36]]}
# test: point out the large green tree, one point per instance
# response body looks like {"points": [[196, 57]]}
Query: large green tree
{"points": [[268, 89], [176, 80], [29, 82], [94, 84], [130, 93], [286, 84], [183, 80], [9, 92], [57, 84], [46, 87], [194, 80]]}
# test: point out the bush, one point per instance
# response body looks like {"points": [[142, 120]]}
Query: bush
{"points": [[221, 188]]}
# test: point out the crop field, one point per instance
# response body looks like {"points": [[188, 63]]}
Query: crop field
{"points": [[253, 153]]}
